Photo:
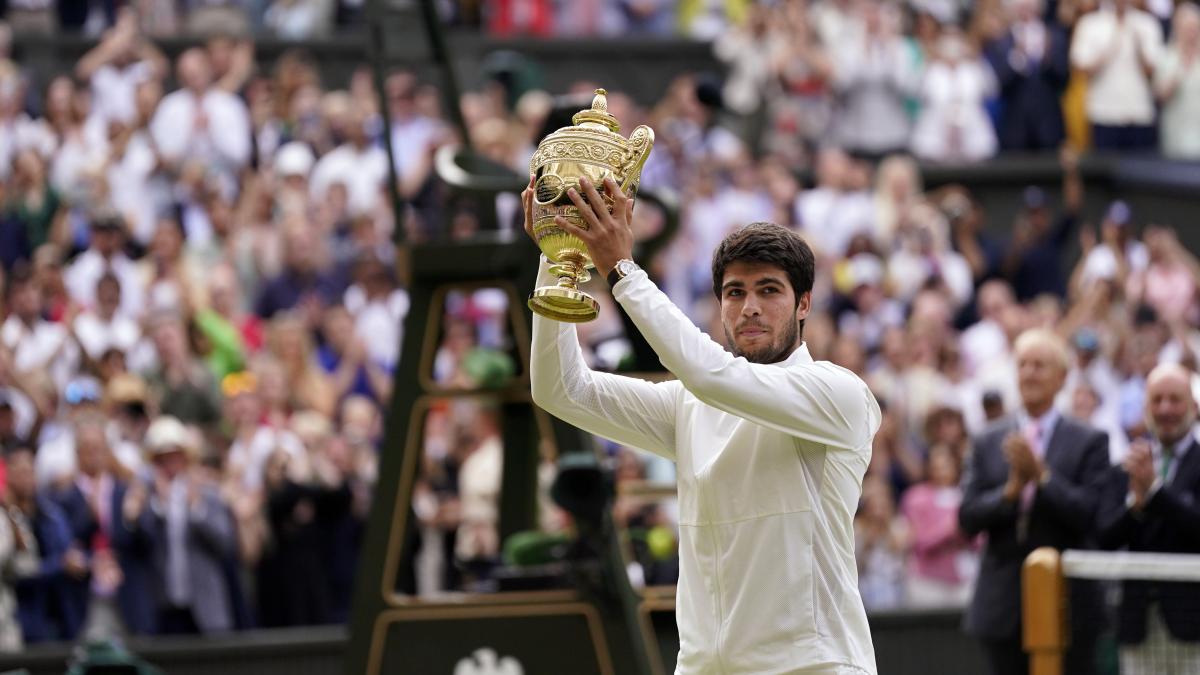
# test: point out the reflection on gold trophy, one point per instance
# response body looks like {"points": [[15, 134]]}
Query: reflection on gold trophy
{"points": [[591, 148]]}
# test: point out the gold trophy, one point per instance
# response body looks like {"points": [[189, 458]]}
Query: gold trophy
{"points": [[591, 148]]}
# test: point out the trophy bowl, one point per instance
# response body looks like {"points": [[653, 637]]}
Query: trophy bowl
{"points": [[593, 147]]}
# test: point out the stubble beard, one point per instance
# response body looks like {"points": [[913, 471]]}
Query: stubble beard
{"points": [[775, 352]]}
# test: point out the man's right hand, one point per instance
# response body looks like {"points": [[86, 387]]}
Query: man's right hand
{"points": [[527, 202], [1139, 464]]}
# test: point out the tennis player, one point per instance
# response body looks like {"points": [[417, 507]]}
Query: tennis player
{"points": [[770, 447]]}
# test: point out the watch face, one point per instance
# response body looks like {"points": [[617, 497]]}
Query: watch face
{"points": [[625, 267]]}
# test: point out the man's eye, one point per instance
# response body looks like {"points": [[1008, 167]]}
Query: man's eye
{"points": [[733, 292], [770, 289]]}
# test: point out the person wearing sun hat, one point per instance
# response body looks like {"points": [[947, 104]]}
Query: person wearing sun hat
{"points": [[193, 533]]}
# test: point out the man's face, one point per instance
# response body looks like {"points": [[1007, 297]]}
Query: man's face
{"points": [[108, 296], [1170, 408], [21, 481], [1040, 375], [759, 312]]}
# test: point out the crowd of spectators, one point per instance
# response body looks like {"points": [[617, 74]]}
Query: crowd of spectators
{"points": [[202, 310]]}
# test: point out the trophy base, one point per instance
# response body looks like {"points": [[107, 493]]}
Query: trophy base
{"points": [[564, 304]]}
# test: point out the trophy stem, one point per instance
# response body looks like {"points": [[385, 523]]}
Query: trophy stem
{"points": [[564, 301]]}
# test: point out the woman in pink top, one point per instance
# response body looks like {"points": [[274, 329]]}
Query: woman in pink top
{"points": [[942, 562], [1169, 282]]}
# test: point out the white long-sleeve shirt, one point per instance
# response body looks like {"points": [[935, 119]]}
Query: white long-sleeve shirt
{"points": [[770, 460]]}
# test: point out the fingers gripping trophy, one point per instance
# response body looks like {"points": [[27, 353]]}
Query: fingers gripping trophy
{"points": [[592, 149]]}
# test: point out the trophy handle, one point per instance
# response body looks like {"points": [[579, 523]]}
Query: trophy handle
{"points": [[641, 141]]}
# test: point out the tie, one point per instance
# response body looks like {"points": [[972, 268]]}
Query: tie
{"points": [[1033, 434], [1168, 458]]}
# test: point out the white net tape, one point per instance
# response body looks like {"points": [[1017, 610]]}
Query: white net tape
{"points": [[1118, 565]]}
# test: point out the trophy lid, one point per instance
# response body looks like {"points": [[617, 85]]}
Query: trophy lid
{"points": [[598, 115]]}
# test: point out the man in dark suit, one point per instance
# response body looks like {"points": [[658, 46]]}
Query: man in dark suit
{"points": [[1032, 480], [1032, 64], [1152, 503], [114, 586]]}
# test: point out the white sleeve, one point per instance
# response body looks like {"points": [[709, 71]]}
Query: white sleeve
{"points": [[627, 410], [169, 129], [229, 128], [819, 402], [1084, 47]]}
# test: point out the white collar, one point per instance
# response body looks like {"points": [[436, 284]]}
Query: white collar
{"points": [[1045, 423], [799, 357]]}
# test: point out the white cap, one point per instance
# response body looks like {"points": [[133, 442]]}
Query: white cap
{"points": [[167, 434], [293, 159]]}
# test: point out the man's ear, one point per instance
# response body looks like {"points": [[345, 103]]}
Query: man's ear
{"points": [[804, 306]]}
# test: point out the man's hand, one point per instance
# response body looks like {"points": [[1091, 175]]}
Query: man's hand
{"points": [[1020, 458], [609, 236], [1139, 464]]}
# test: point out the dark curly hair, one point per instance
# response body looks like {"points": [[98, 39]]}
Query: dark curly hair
{"points": [[767, 243]]}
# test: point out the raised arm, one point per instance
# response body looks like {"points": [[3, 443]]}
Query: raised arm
{"points": [[816, 401], [627, 410]]}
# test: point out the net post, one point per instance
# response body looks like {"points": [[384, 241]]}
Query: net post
{"points": [[1044, 611]]}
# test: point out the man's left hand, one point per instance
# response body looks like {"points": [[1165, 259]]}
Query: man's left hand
{"points": [[609, 236]]}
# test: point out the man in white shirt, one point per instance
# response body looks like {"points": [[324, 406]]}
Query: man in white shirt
{"points": [[201, 123], [1118, 47], [104, 256], [770, 446], [359, 165]]}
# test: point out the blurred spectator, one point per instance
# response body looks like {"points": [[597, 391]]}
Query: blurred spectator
{"points": [[1033, 262], [109, 571], [308, 386], [117, 66], [200, 126], [1117, 257], [881, 545], [36, 345], [1169, 282], [1118, 46], [873, 80], [35, 214], [192, 535], [302, 283], [304, 496], [44, 606], [18, 557], [1031, 481], [357, 164], [299, 19], [1177, 86], [1032, 65], [1145, 502], [986, 338], [105, 255], [104, 327], [477, 545], [897, 189], [943, 561], [749, 50], [953, 125], [837, 208], [182, 384]]}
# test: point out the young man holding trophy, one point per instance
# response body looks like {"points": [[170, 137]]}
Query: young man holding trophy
{"points": [[770, 445]]}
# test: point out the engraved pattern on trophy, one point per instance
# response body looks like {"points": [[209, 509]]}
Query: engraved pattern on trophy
{"points": [[594, 148]]}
